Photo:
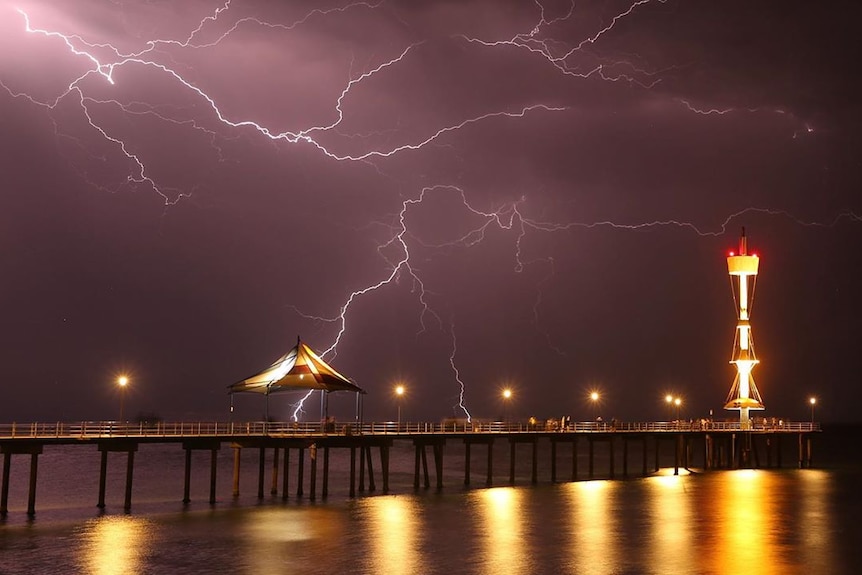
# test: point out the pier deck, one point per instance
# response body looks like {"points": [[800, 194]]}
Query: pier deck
{"points": [[724, 445]]}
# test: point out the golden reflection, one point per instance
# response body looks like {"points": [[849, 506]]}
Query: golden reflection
{"points": [[271, 537], [672, 538], [815, 546], [594, 543], [748, 530], [116, 544], [500, 511], [394, 543]]}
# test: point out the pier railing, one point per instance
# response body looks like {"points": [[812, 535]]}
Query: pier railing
{"points": [[108, 429]]}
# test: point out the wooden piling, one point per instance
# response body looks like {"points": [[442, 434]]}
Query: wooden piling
{"points": [[261, 470], [490, 470], [553, 461], [300, 469], [574, 458], [371, 485], [213, 473], [285, 474], [31, 498], [103, 472], [352, 471], [4, 490], [438, 464], [535, 475], [312, 488], [325, 471], [425, 468], [273, 488], [467, 461], [384, 466], [187, 477], [511, 461], [130, 469], [236, 457]]}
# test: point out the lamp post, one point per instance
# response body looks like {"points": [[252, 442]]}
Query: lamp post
{"points": [[594, 397], [677, 402], [122, 381], [399, 391], [813, 402], [669, 400], [507, 395]]}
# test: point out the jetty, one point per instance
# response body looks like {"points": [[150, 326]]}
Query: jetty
{"points": [[703, 444]]}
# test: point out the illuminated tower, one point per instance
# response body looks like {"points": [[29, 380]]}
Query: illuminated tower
{"points": [[743, 395]]}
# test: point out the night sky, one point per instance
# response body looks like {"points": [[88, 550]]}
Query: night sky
{"points": [[453, 195]]}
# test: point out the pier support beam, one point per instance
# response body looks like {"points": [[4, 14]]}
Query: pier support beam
{"points": [[384, 466], [553, 461], [33, 450], [273, 488], [312, 456], [130, 471], [479, 439], [352, 471], [129, 448], [575, 458], [103, 473], [190, 445], [4, 493], [285, 475], [371, 485], [187, 478], [325, 471], [260, 471], [213, 474], [421, 458], [625, 457], [237, 451], [644, 455], [438, 463], [300, 470]]}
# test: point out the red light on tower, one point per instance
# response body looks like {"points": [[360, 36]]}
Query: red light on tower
{"points": [[743, 395]]}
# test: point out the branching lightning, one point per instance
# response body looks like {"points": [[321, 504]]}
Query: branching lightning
{"points": [[579, 60]]}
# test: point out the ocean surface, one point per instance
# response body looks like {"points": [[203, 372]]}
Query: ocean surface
{"points": [[806, 521]]}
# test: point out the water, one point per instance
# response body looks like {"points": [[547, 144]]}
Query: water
{"points": [[744, 521]]}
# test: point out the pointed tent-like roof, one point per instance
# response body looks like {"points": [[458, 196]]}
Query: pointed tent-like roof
{"points": [[300, 368]]}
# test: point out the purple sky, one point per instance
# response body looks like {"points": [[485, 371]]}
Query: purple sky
{"points": [[490, 193]]}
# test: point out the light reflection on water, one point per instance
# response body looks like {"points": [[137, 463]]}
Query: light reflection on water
{"points": [[393, 528], [763, 522], [672, 523], [271, 539], [592, 537], [501, 519], [816, 517], [117, 544], [748, 524]]}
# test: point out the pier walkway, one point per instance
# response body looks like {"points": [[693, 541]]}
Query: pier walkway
{"points": [[721, 445]]}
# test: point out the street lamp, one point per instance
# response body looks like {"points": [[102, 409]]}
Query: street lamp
{"points": [[594, 397], [813, 402], [122, 381], [507, 395], [677, 402], [399, 391]]}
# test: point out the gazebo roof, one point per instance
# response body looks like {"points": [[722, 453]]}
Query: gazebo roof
{"points": [[300, 368]]}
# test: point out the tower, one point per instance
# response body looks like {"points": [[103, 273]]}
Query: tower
{"points": [[743, 396]]}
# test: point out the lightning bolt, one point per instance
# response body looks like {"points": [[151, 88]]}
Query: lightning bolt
{"points": [[106, 69], [508, 217], [102, 63]]}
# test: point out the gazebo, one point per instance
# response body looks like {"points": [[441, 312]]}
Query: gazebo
{"points": [[298, 369]]}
